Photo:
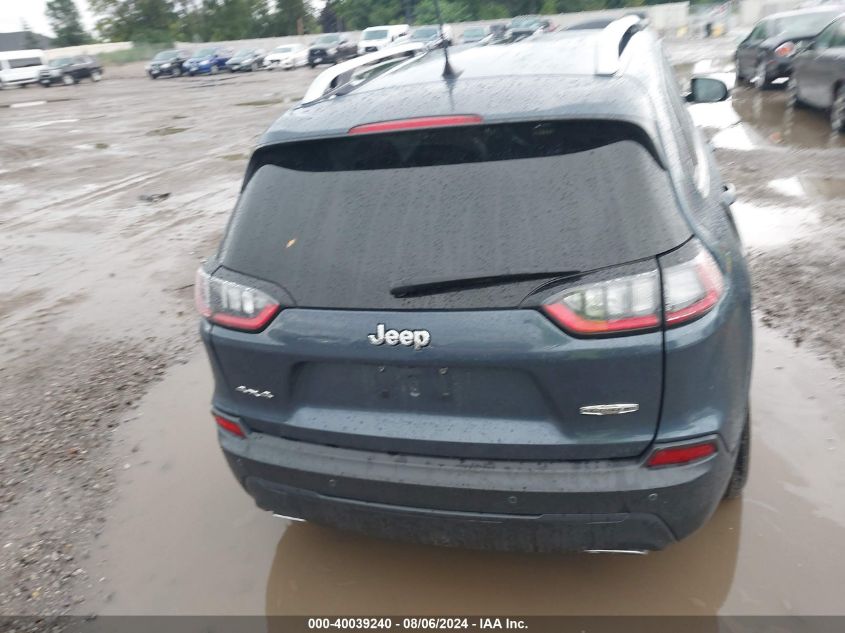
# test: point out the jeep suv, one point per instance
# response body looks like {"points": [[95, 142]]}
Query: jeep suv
{"points": [[465, 305], [70, 70]]}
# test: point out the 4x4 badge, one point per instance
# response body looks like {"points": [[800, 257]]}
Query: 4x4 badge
{"points": [[417, 338]]}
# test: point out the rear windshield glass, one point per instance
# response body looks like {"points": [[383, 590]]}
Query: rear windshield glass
{"points": [[450, 146], [809, 24], [379, 34], [338, 223]]}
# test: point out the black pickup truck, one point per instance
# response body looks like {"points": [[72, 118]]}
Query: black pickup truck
{"points": [[70, 70]]}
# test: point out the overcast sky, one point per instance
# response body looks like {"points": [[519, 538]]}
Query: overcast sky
{"points": [[13, 11]]}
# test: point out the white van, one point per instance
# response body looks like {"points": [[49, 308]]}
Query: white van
{"points": [[375, 38], [20, 67]]}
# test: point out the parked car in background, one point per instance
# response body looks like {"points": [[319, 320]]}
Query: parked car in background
{"points": [[474, 34], [331, 48], [167, 62], [766, 54], [286, 56], [246, 59], [208, 60], [432, 35], [70, 70], [375, 38], [522, 26], [19, 68], [818, 74]]}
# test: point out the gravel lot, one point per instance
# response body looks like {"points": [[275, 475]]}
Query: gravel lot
{"points": [[96, 296]]}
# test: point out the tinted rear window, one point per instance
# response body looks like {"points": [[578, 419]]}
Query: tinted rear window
{"points": [[340, 222]]}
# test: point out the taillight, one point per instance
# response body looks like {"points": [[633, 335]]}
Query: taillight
{"points": [[417, 123], [607, 306], [228, 425], [692, 284], [785, 50], [617, 301], [677, 455], [233, 305]]}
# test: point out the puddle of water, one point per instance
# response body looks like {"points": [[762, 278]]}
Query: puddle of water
{"points": [[766, 226], [183, 538], [769, 115], [826, 188]]}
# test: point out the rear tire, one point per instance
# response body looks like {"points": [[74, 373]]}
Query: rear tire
{"points": [[761, 77], [68, 80], [837, 111], [792, 98], [96, 75], [739, 476]]}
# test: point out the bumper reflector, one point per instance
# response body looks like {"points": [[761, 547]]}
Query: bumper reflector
{"points": [[227, 425], [677, 455]]}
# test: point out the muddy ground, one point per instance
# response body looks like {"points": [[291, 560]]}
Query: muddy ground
{"points": [[114, 497]]}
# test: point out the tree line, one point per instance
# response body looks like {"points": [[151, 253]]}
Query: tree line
{"points": [[160, 21]]}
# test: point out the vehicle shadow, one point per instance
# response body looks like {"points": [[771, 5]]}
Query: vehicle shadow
{"points": [[321, 571]]}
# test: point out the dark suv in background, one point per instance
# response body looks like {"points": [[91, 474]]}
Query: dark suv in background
{"points": [[506, 307], [167, 62], [70, 70], [768, 51], [331, 49], [818, 76]]}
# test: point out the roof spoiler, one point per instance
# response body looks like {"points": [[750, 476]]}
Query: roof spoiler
{"points": [[340, 74], [612, 41]]}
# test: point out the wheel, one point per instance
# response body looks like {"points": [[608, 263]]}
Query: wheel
{"points": [[254, 66], [739, 476], [68, 80], [792, 98], [96, 75], [761, 77], [837, 111], [177, 72], [741, 79], [214, 69], [311, 64]]}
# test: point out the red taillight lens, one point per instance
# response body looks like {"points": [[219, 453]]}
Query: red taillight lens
{"points": [[677, 455], [623, 304], [233, 305], [785, 50], [616, 302], [227, 425], [692, 284], [417, 123]]}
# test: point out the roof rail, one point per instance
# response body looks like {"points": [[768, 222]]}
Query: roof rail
{"points": [[340, 74], [612, 42]]}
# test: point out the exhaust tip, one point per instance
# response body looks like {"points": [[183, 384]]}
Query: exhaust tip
{"points": [[284, 516]]}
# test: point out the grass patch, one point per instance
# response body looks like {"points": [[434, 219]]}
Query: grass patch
{"points": [[138, 53], [166, 131]]}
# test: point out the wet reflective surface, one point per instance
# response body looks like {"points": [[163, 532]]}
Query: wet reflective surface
{"points": [[183, 537], [799, 128]]}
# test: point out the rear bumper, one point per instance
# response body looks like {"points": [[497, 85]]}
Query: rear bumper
{"points": [[504, 505], [778, 68]]}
